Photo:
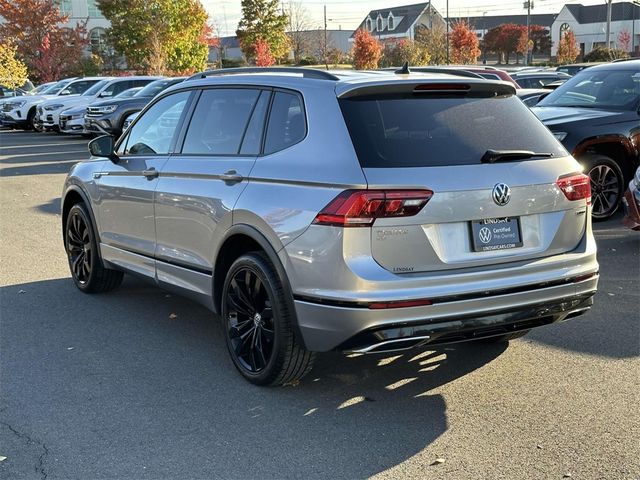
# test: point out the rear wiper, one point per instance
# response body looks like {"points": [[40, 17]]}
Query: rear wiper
{"points": [[493, 156]]}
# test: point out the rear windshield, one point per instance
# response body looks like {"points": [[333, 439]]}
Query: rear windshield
{"points": [[407, 130]]}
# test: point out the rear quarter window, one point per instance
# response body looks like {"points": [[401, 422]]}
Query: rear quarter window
{"points": [[287, 125], [414, 130]]}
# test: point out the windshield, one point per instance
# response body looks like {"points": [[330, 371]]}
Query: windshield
{"points": [[128, 93], [55, 89], [612, 90], [155, 88], [43, 89], [410, 130], [93, 90]]}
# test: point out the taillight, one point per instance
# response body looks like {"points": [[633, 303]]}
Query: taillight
{"points": [[576, 187], [360, 208]]}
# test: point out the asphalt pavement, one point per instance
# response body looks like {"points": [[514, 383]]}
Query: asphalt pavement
{"points": [[136, 384]]}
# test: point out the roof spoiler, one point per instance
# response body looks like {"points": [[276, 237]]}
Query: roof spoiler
{"points": [[426, 86]]}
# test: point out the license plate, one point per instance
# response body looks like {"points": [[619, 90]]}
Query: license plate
{"points": [[496, 234]]}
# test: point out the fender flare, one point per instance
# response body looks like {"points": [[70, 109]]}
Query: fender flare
{"points": [[85, 199], [260, 239]]}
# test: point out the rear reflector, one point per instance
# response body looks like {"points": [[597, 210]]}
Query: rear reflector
{"points": [[400, 304], [575, 187], [360, 208]]}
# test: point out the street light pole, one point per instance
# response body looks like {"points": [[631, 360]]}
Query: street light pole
{"points": [[608, 34], [528, 5], [447, 32]]}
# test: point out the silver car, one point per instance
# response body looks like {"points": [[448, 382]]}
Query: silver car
{"points": [[353, 211]]}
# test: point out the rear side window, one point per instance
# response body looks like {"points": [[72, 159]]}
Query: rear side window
{"points": [[407, 130], [287, 125], [219, 121]]}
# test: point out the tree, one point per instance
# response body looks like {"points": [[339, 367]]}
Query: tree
{"points": [[506, 39], [603, 54], [35, 27], [567, 48], [624, 40], [263, 54], [464, 44], [298, 30], [541, 38], [13, 73], [396, 54], [140, 29], [261, 20], [434, 42], [366, 50]]}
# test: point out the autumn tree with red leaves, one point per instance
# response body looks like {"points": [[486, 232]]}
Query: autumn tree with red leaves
{"points": [[264, 58], [366, 50], [568, 49], [464, 44], [624, 40], [36, 28]]}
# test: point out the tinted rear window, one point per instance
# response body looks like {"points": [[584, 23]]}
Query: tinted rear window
{"points": [[422, 131]]}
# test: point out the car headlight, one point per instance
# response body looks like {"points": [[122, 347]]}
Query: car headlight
{"points": [[636, 179], [55, 106], [560, 135], [105, 109], [13, 105]]}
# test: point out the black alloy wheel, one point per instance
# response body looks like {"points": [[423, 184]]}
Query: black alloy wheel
{"points": [[79, 248], [257, 321], [87, 270], [250, 323]]}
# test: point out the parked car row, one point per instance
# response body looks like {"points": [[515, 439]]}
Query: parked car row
{"points": [[87, 105]]}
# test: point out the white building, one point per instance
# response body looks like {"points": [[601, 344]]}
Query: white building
{"points": [[390, 24], [81, 10], [588, 23]]}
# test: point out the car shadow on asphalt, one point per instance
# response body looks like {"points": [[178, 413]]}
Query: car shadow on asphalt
{"points": [[142, 365]]}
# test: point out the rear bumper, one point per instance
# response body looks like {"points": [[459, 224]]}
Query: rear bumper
{"points": [[327, 327]]}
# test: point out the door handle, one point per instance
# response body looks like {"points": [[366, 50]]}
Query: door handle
{"points": [[150, 173], [231, 177]]}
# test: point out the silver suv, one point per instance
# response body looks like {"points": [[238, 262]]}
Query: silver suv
{"points": [[353, 211]]}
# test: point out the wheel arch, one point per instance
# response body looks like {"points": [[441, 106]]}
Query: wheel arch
{"points": [[241, 239], [617, 147], [72, 196]]}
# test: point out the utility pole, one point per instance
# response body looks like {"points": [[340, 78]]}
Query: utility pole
{"points": [[528, 5], [326, 61], [447, 32], [608, 34]]}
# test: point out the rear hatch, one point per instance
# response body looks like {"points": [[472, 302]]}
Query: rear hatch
{"points": [[485, 209]]}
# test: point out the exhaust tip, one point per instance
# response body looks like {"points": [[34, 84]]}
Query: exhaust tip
{"points": [[392, 345]]}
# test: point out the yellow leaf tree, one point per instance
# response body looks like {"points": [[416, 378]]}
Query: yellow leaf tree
{"points": [[568, 49], [13, 73]]}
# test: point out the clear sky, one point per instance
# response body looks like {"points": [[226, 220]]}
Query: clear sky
{"points": [[347, 14]]}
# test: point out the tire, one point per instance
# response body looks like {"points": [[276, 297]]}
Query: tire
{"points": [[607, 185], [85, 264], [255, 310], [31, 121], [505, 338]]}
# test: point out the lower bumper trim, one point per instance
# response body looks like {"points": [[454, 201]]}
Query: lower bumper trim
{"points": [[403, 336]]}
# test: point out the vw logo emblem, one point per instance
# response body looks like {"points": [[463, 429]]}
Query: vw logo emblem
{"points": [[501, 194], [485, 235]]}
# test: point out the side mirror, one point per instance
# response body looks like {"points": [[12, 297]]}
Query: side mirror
{"points": [[105, 94], [103, 147], [65, 92]]}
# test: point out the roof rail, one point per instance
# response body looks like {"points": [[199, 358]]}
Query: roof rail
{"points": [[305, 72], [624, 59]]}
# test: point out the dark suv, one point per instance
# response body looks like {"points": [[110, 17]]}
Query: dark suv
{"points": [[596, 115], [109, 116]]}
